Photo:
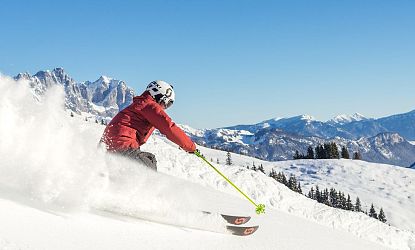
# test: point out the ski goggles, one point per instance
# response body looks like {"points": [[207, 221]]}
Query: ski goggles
{"points": [[168, 104]]}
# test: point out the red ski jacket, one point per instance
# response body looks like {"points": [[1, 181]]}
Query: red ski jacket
{"points": [[131, 127]]}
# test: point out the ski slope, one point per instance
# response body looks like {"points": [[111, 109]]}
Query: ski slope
{"points": [[58, 190], [386, 186]]}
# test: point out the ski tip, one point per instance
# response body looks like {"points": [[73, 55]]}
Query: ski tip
{"points": [[242, 231], [236, 220]]}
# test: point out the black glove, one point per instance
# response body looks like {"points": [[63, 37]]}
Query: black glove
{"points": [[191, 152]]}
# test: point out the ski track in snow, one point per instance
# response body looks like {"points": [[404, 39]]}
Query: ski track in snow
{"points": [[57, 184]]}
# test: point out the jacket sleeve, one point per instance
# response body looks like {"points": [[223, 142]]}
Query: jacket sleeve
{"points": [[160, 120]]}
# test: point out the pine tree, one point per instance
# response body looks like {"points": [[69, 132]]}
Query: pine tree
{"points": [[310, 152], [228, 158], [278, 177], [334, 151], [357, 156], [281, 178], [296, 155], [345, 153], [319, 152], [318, 194], [382, 216], [311, 194], [326, 199], [339, 200], [358, 206], [261, 168], [323, 197], [333, 197], [327, 151], [372, 212], [343, 201], [349, 205], [299, 190], [272, 174], [292, 183]]}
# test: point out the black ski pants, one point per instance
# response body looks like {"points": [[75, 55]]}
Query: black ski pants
{"points": [[146, 158]]}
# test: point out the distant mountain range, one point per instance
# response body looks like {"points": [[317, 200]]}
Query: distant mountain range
{"points": [[276, 144], [349, 127], [383, 140]]}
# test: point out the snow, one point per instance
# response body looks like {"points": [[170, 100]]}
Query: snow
{"points": [[236, 136], [343, 119], [190, 130], [100, 108], [58, 190], [106, 79], [307, 117], [412, 142], [386, 186]]}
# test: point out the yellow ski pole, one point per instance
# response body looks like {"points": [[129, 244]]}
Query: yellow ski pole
{"points": [[259, 208]]}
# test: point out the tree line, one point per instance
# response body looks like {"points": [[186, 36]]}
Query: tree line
{"points": [[291, 182], [326, 151], [337, 199]]}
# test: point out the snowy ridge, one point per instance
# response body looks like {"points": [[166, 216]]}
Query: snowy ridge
{"points": [[60, 179], [343, 119]]}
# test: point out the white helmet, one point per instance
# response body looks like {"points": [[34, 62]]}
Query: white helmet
{"points": [[162, 92]]}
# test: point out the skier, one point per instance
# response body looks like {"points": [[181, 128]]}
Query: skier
{"points": [[131, 127]]}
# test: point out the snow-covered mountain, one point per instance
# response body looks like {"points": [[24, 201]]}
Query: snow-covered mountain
{"points": [[304, 125], [59, 191], [404, 124], [390, 148], [349, 127], [104, 97], [343, 119]]}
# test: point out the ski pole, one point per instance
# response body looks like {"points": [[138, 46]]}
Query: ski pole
{"points": [[259, 209]]}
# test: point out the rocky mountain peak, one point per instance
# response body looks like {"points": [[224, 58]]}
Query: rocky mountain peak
{"points": [[104, 97]]}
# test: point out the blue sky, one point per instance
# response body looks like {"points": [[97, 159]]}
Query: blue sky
{"points": [[231, 62]]}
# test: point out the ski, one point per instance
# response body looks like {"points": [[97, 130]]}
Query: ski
{"points": [[242, 231], [233, 219]]}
